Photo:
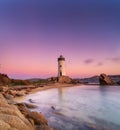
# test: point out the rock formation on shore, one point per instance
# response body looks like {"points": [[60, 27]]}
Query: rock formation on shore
{"points": [[64, 79], [11, 118], [16, 116], [4, 79], [105, 80]]}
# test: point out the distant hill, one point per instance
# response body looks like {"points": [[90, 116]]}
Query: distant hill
{"points": [[35, 79], [89, 80]]}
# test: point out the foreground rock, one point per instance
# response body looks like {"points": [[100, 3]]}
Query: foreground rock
{"points": [[11, 118], [12, 92], [35, 118], [105, 80], [18, 117]]}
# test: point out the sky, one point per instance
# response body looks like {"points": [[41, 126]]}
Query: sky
{"points": [[34, 33]]}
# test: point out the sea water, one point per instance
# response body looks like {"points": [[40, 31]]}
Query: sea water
{"points": [[84, 107]]}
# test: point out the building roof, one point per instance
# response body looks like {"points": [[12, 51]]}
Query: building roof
{"points": [[61, 58]]}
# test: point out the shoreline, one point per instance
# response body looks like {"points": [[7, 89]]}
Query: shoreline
{"points": [[34, 89], [46, 87], [19, 99], [13, 98]]}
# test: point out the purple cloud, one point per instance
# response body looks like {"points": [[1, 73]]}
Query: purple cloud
{"points": [[88, 61], [99, 64], [114, 59]]}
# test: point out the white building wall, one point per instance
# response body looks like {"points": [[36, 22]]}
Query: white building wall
{"points": [[61, 68]]}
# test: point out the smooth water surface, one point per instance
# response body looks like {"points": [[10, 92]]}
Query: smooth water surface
{"points": [[83, 107]]}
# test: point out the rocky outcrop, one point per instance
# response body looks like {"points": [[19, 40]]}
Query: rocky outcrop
{"points": [[37, 118], [11, 118], [5, 80], [60, 79], [11, 92], [64, 79], [16, 116], [105, 80]]}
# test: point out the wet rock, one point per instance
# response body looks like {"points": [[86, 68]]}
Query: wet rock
{"points": [[31, 101], [91, 126], [105, 80], [53, 107]]}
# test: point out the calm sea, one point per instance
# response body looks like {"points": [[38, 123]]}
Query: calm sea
{"points": [[84, 107]]}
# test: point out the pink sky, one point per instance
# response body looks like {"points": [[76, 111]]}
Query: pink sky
{"points": [[33, 35]]}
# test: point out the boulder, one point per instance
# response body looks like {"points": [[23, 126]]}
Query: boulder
{"points": [[105, 80], [64, 79]]}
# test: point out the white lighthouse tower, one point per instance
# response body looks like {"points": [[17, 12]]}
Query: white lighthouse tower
{"points": [[61, 66]]}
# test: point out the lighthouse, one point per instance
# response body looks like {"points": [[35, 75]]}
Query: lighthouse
{"points": [[61, 66]]}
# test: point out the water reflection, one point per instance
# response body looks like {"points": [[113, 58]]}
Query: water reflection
{"points": [[60, 96], [81, 107], [102, 93]]}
